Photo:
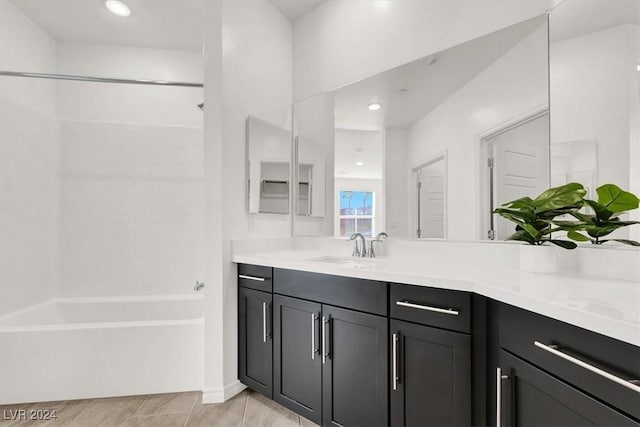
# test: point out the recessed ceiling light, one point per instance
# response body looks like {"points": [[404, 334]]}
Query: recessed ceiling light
{"points": [[375, 106], [638, 67], [117, 7], [359, 163]]}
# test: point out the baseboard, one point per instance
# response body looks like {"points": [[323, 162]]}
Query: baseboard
{"points": [[222, 394]]}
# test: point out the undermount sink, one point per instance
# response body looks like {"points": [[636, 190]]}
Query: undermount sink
{"points": [[364, 263]]}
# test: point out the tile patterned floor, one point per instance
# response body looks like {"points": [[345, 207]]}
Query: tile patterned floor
{"points": [[247, 409]]}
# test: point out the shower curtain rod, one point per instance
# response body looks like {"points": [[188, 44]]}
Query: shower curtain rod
{"points": [[98, 79]]}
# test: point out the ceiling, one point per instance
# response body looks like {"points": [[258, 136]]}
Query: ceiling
{"points": [[168, 24], [570, 19], [294, 9], [164, 24], [411, 91]]}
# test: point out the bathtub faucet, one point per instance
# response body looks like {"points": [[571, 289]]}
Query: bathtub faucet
{"points": [[198, 286]]}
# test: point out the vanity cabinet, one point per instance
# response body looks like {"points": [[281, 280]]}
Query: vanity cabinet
{"points": [[255, 343], [555, 374], [430, 365], [330, 362], [298, 364]]}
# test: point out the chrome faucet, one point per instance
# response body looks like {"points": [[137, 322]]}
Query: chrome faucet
{"points": [[379, 238], [360, 246]]}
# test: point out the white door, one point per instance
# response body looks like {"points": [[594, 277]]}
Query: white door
{"points": [[520, 166], [432, 198]]}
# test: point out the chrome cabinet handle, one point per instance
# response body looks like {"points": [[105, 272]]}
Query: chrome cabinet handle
{"points": [[257, 279], [554, 349], [264, 322], [499, 377], [428, 308], [326, 323], [394, 349], [313, 336]]}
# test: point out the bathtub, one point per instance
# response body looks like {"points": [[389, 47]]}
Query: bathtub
{"points": [[76, 348]]}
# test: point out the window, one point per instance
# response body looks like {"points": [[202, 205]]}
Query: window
{"points": [[357, 213]]}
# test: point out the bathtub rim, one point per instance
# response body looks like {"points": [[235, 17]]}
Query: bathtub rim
{"points": [[100, 325]]}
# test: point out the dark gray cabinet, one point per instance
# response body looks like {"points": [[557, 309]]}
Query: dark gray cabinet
{"points": [[298, 364], [430, 376], [255, 344], [331, 364], [355, 368], [554, 374], [529, 396]]}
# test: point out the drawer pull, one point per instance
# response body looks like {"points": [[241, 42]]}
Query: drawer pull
{"points": [[553, 349], [428, 308], [257, 279]]}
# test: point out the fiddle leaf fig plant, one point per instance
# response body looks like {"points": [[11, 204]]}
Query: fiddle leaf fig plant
{"points": [[534, 218], [612, 202]]}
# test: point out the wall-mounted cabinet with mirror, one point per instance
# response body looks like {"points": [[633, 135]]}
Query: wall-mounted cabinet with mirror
{"points": [[441, 141], [268, 167]]}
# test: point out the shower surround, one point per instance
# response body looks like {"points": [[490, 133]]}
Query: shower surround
{"points": [[101, 213]]}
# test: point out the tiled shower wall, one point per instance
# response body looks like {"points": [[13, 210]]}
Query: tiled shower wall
{"points": [[28, 205], [28, 165], [131, 208]]}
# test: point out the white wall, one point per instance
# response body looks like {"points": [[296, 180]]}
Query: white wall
{"points": [[132, 209], [314, 119], [510, 87], [344, 41], [590, 86], [254, 78], [29, 195], [397, 184]]}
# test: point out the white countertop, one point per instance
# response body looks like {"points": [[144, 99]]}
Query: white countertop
{"points": [[607, 306]]}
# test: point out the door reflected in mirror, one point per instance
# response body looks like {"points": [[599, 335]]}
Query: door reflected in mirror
{"points": [[431, 198]]}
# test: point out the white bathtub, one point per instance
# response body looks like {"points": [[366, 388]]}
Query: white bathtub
{"points": [[79, 348]]}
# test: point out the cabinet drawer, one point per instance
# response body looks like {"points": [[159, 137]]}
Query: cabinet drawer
{"points": [[531, 397], [348, 292], [429, 306], [255, 277], [572, 353]]}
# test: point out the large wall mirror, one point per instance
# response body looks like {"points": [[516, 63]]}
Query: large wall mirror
{"points": [[426, 149], [595, 95]]}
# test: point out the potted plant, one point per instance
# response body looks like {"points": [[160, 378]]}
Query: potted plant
{"points": [[605, 219], [534, 219]]}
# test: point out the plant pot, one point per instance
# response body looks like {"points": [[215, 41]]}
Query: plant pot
{"points": [[538, 259]]}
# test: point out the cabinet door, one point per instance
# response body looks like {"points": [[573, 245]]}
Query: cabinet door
{"points": [[432, 370], [255, 341], [298, 368], [531, 397], [355, 368]]}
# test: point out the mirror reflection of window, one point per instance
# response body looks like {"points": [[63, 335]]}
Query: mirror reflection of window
{"points": [[357, 213]]}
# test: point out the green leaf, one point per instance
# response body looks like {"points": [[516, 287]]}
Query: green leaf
{"points": [[574, 235], [625, 241], [522, 236], [614, 199], [568, 195], [563, 243]]}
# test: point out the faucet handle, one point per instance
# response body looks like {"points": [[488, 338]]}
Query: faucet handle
{"points": [[379, 238]]}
